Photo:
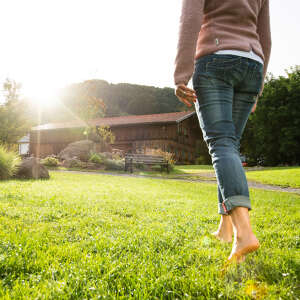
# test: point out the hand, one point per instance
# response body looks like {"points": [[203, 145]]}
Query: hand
{"points": [[185, 95]]}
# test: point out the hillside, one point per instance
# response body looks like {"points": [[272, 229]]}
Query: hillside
{"points": [[119, 99]]}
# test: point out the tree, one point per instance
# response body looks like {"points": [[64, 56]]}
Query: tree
{"points": [[272, 135], [123, 98], [13, 120], [83, 101]]}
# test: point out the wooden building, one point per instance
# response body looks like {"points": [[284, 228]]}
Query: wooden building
{"points": [[175, 132]]}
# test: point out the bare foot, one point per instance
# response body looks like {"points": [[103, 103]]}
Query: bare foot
{"points": [[242, 246], [225, 230], [224, 237]]}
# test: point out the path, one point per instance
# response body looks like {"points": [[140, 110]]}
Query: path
{"points": [[251, 184]]}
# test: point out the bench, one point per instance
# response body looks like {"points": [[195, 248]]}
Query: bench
{"points": [[134, 159]]}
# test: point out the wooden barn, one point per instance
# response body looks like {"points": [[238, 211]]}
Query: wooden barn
{"points": [[175, 132]]}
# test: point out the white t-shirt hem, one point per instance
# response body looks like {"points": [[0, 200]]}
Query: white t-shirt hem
{"points": [[249, 54]]}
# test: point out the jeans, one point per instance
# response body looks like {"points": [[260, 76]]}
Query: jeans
{"points": [[226, 87]]}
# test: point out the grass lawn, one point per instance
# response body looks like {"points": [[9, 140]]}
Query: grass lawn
{"points": [[192, 169], [106, 237], [284, 176]]}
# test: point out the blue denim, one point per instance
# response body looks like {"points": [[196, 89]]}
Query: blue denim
{"points": [[226, 88]]}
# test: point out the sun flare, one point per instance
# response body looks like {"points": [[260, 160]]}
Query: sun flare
{"points": [[42, 94]]}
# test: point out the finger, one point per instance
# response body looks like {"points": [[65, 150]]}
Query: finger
{"points": [[181, 99], [188, 94], [186, 102], [188, 98], [187, 89]]}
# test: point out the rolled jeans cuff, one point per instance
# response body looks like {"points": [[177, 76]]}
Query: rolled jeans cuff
{"points": [[232, 202]]}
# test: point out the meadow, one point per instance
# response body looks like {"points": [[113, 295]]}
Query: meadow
{"points": [[83, 236], [281, 176]]}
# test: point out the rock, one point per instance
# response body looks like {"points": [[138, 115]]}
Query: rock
{"points": [[72, 163], [32, 168], [80, 149]]}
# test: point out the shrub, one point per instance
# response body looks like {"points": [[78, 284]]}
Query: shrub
{"points": [[156, 168], [9, 162], [203, 160], [117, 154], [72, 163], [95, 158], [111, 164], [168, 156], [50, 161], [141, 166]]}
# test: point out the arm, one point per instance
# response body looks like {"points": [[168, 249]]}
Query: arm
{"points": [[190, 24], [264, 32]]}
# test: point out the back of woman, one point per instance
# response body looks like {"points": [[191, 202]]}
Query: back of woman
{"points": [[226, 46], [207, 26]]}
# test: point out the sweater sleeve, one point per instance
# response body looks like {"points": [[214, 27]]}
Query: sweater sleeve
{"points": [[190, 24], [264, 32]]}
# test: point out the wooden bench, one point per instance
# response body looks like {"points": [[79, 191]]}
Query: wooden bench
{"points": [[134, 159]]}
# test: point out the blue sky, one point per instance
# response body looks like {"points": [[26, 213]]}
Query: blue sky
{"points": [[49, 44]]}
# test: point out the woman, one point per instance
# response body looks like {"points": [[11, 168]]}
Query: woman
{"points": [[226, 44]]}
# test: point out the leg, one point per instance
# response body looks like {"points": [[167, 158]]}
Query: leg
{"points": [[225, 87], [242, 104], [225, 230], [244, 239], [214, 110]]}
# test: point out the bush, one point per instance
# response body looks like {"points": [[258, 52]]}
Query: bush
{"points": [[117, 154], [95, 158], [203, 160], [111, 164], [9, 162], [168, 156], [50, 161], [272, 135], [73, 163], [140, 166]]}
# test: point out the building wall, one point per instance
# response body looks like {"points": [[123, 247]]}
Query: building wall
{"points": [[179, 139], [50, 142]]}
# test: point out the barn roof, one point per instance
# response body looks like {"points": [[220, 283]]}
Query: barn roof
{"points": [[174, 117]]}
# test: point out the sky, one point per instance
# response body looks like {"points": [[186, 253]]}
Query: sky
{"points": [[48, 44]]}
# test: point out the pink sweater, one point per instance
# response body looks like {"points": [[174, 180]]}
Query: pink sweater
{"points": [[207, 26]]}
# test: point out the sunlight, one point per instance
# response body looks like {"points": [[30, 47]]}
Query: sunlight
{"points": [[41, 93]]}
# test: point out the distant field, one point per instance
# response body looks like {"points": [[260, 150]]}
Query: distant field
{"points": [[191, 169], [81, 236], [283, 176]]}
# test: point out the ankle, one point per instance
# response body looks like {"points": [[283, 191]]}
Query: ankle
{"points": [[246, 237]]}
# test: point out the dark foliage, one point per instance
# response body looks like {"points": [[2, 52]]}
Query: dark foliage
{"points": [[13, 114], [272, 136]]}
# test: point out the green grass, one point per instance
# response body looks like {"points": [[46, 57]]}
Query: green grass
{"points": [[106, 237], [192, 169], [284, 176], [188, 171]]}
